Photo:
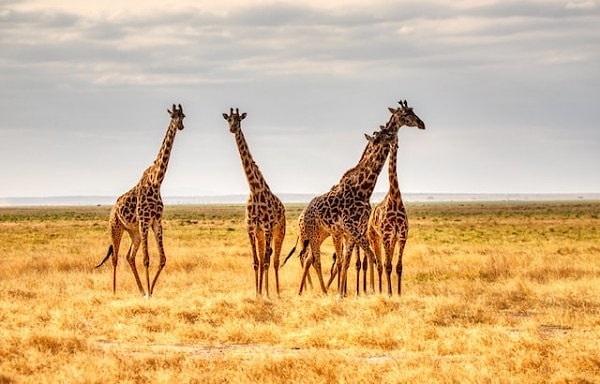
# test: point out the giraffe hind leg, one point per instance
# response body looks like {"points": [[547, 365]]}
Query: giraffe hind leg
{"points": [[116, 234], [157, 229], [401, 245], [135, 244], [278, 241]]}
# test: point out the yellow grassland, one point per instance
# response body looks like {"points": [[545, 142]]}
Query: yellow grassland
{"points": [[492, 293]]}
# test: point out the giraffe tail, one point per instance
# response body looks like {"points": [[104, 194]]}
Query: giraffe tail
{"points": [[304, 246], [333, 264], [291, 253], [108, 254]]}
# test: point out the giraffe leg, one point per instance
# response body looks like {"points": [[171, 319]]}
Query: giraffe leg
{"points": [[117, 235], [362, 241], [313, 260], [333, 271], [317, 265], [278, 236], [144, 227], [252, 238], [365, 263], [262, 247], [338, 243], [389, 244], [158, 234], [401, 245], [305, 266], [358, 266], [302, 257], [267, 262], [135, 244], [375, 242], [342, 283]]}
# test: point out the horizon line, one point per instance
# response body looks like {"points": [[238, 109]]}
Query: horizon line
{"points": [[238, 198]]}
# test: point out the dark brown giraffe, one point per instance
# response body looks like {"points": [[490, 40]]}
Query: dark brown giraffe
{"points": [[402, 116], [265, 214], [344, 210], [141, 208], [324, 232]]}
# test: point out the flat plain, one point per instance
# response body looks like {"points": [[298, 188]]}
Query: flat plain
{"points": [[497, 292]]}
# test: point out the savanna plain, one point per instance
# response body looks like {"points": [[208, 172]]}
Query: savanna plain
{"points": [[503, 292]]}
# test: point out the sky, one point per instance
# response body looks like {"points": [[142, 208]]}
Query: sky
{"points": [[509, 91]]}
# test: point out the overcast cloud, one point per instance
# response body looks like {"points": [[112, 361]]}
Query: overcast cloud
{"points": [[508, 90]]}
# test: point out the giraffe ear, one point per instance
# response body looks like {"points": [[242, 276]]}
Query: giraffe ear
{"points": [[243, 116], [225, 116], [392, 110]]}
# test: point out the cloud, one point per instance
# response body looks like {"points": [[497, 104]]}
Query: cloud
{"points": [[313, 76]]}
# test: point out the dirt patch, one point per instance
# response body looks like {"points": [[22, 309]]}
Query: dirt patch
{"points": [[237, 351]]}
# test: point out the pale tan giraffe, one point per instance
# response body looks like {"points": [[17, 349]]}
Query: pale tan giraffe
{"points": [[388, 223], [141, 208], [265, 213]]}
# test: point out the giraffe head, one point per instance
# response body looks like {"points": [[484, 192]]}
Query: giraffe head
{"points": [[380, 140], [177, 116], [234, 119], [382, 136], [404, 115]]}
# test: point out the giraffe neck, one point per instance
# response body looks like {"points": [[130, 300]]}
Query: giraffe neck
{"points": [[256, 181], [365, 154], [392, 167], [158, 170], [367, 174]]}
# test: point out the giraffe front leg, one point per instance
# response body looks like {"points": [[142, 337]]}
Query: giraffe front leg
{"points": [[252, 238], [144, 227], [302, 257], [342, 282], [267, 259], [305, 267], [358, 266], [317, 266], [261, 246], [334, 270], [364, 244], [365, 264]]}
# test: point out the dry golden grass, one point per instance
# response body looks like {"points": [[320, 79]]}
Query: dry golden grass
{"points": [[495, 292]]}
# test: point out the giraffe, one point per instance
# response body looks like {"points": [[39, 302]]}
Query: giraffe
{"points": [[344, 210], [324, 233], [141, 208], [265, 213], [401, 116], [388, 223]]}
